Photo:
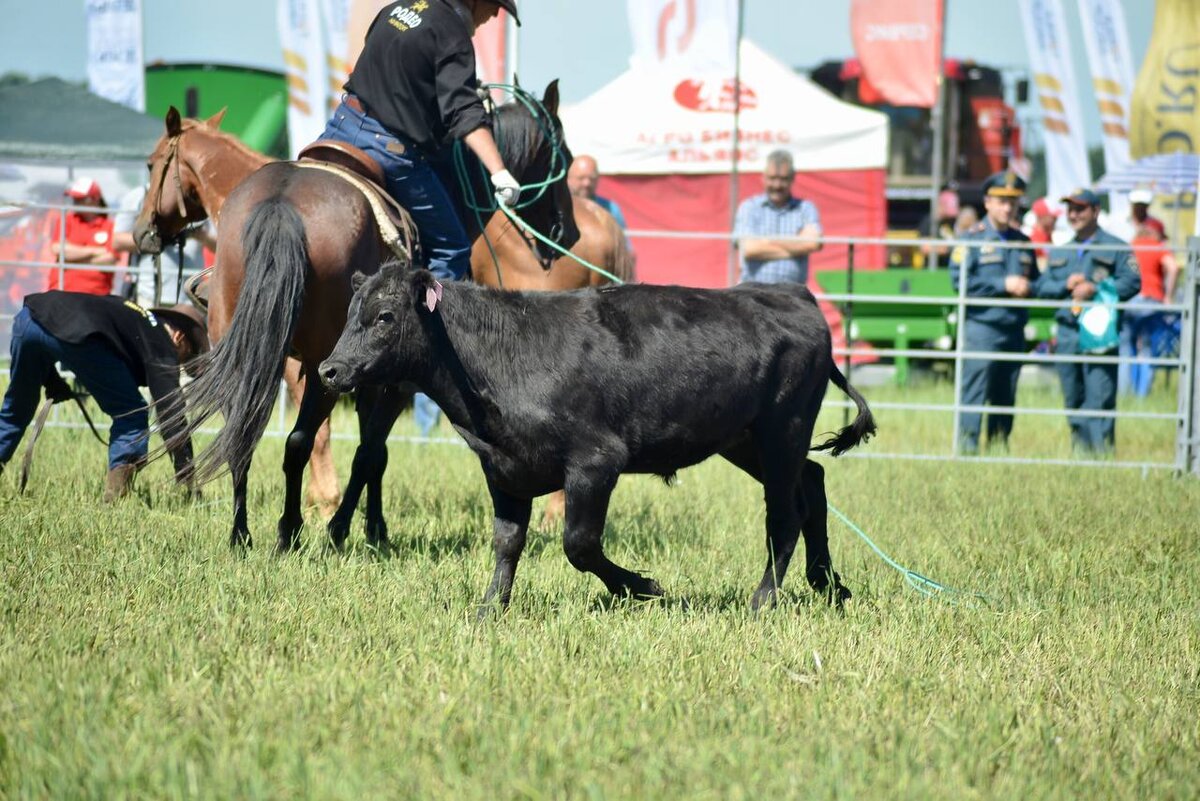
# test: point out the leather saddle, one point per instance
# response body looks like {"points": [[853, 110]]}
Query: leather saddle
{"points": [[355, 160]]}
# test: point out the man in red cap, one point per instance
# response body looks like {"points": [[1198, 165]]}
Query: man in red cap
{"points": [[1045, 218], [85, 237]]}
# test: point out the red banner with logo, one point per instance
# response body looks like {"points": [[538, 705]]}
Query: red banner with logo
{"points": [[899, 44]]}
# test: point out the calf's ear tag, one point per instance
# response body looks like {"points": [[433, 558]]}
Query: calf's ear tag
{"points": [[432, 295]]}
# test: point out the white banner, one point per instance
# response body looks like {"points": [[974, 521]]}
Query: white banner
{"points": [[335, 19], [1107, 43], [307, 72], [115, 68], [1062, 122], [699, 33]]}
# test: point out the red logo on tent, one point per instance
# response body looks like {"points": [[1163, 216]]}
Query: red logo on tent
{"points": [[707, 96]]}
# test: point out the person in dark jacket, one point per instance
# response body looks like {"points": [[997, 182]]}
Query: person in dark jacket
{"points": [[1075, 270], [113, 346], [411, 95], [993, 272]]}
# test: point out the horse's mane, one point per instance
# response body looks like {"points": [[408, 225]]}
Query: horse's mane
{"points": [[518, 135], [226, 138]]}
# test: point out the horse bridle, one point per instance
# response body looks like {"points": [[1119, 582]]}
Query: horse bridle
{"points": [[172, 155]]}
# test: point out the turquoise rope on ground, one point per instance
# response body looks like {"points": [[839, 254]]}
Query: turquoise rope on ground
{"points": [[922, 584]]}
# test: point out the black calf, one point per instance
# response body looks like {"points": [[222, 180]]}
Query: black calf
{"points": [[572, 389]]}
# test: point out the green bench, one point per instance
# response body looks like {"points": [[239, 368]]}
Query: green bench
{"points": [[905, 326]]}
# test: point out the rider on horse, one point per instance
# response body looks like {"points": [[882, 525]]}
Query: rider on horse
{"points": [[411, 95]]}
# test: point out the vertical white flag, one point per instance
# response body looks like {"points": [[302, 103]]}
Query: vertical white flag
{"points": [[1062, 122], [1107, 43], [114, 61], [335, 17], [699, 33], [307, 74]]}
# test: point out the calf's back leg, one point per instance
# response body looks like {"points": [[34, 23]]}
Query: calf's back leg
{"points": [[819, 568], [587, 496]]}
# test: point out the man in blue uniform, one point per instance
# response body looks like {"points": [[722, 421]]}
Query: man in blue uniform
{"points": [[993, 272], [1074, 270], [410, 96]]}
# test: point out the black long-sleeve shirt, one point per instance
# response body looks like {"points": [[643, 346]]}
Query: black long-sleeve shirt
{"points": [[133, 333], [416, 73]]}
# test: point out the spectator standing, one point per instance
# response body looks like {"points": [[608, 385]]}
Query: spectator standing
{"points": [[1075, 270], [1143, 330], [943, 227], [1045, 217], [113, 346], [88, 241], [582, 180], [777, 213], [993, 272]]}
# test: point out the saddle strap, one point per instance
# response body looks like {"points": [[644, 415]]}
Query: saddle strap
{"points": [[400, 239]]}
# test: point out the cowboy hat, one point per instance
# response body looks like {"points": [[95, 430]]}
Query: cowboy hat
{"points": [[189, 321]]}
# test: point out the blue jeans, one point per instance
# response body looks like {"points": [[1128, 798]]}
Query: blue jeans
{"points": [[1141, 329], [417, 184], [34, 351], [425, 413]]}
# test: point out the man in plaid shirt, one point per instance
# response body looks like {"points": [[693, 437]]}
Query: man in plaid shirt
{"points": [[776, 213]]}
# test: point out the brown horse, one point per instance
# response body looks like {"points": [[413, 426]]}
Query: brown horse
{"points": [[193, 176], [290, 241]]}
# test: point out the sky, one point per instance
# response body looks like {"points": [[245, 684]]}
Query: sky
{"points": [[585, 43]]}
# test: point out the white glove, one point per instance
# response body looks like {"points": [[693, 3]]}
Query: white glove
{"points": [[507, 188]]}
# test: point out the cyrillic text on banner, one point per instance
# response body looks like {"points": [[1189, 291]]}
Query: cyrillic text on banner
{"points": [[899, 44], [115, 68]]}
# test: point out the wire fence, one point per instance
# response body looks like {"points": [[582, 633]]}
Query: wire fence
{"points": [[1180, 358]]}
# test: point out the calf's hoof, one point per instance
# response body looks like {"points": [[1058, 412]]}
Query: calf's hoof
{"points": [[828, 584], [763, 598], [240, 541]]}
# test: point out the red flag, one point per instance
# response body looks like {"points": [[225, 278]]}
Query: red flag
{"points": [[899, 44]]}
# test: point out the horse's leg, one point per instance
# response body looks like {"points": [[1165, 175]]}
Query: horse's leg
{"points": [[556, 507], [377, 412], [588, 493], [314, 409], [508, 540], [322, 473]]}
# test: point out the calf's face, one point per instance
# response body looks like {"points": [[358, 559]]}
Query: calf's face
{"points": [[370, 345]]}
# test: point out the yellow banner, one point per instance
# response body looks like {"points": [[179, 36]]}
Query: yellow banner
{"points": [[1165, 110]]}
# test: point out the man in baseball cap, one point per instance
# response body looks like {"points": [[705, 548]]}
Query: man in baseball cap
{"points": [[1075, 270]]}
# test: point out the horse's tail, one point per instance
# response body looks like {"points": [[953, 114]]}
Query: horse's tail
{"points": [[862, 427], [240, 375]]}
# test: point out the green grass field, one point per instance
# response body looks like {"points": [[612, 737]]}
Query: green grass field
{"points": [[140, 658]]}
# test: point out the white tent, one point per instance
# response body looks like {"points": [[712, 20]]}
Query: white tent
{"points": [[654, 122], [664, 141]]}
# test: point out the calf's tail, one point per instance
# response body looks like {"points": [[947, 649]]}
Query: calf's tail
{"points": [[859, 430]]}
